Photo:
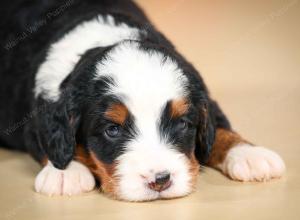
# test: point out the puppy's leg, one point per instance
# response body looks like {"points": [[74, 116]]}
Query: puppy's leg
{"points": [[75, 179], [243, 161]]}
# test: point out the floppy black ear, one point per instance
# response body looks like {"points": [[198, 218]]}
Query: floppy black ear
{"points": [[57, 128], [57, 125], [205, 132]]}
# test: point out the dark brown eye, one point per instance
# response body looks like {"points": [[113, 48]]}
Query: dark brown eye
{"points": [[182, 125], [113, 131]]}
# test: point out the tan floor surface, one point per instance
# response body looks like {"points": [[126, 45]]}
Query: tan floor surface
{"points": [[249, 54]]}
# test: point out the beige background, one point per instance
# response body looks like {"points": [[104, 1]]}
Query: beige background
{"points": [[249, 55]]}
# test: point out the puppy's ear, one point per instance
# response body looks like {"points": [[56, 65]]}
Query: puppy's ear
{"points": [[205, 132], [57, 127]]}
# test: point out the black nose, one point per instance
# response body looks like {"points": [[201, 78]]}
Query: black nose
{"points": [[162, 178], [162, 181]]}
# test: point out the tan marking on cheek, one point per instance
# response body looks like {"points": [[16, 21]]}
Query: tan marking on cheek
{"points": [[179, 107], [194, 169], [103, 172], [225, 139], [44, 161], [82, 155], [118, 113]]}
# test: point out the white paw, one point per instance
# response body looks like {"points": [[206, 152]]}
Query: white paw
{"points": [[252, 163], [74, 180]]}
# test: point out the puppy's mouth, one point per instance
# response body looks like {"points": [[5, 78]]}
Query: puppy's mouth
{"points": [[137, 188], [137, 177], [159, 187], [155, 184]]}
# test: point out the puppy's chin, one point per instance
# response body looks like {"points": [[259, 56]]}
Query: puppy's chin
{"points": [[142, 193], [135, 170]]}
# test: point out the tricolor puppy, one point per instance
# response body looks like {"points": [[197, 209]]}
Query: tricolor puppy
{"points": [[97, 93]]}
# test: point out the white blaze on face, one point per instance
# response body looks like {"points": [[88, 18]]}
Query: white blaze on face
{"points": [[146, 83]]}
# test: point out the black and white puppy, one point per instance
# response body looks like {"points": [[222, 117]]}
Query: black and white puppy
{"points": [[94, 92]]}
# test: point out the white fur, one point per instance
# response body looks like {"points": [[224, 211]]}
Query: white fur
{"points": [[66, 52], [252, 163], [146, 84], [138, 166], [74, 180]]}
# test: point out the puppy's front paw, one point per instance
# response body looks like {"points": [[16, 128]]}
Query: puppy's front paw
{"points": [[74, 180], [252, 163]]}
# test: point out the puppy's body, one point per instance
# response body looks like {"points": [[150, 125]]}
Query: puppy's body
{"points": [[96, 89], [28, 29]]}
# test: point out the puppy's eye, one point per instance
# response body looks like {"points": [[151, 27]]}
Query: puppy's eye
{"points": [[113, 131], [182, 125]]}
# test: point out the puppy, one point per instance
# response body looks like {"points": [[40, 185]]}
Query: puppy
{"points": [[94, 92]]}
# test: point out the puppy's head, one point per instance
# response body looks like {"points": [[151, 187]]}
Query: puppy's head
{"points": [[143, 110]]}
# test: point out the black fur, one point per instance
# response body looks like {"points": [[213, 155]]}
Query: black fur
{"points": [[93, 129], [180, 131], [53, 129]]}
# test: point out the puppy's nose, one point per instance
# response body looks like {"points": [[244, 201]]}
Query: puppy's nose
{"points": [[162, 177], [162, 181]]}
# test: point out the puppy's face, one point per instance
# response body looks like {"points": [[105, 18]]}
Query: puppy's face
{"points": [[140, 131]]}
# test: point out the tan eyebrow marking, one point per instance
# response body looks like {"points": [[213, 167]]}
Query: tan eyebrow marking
{"points": [[118, 113], [179, 107]]}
